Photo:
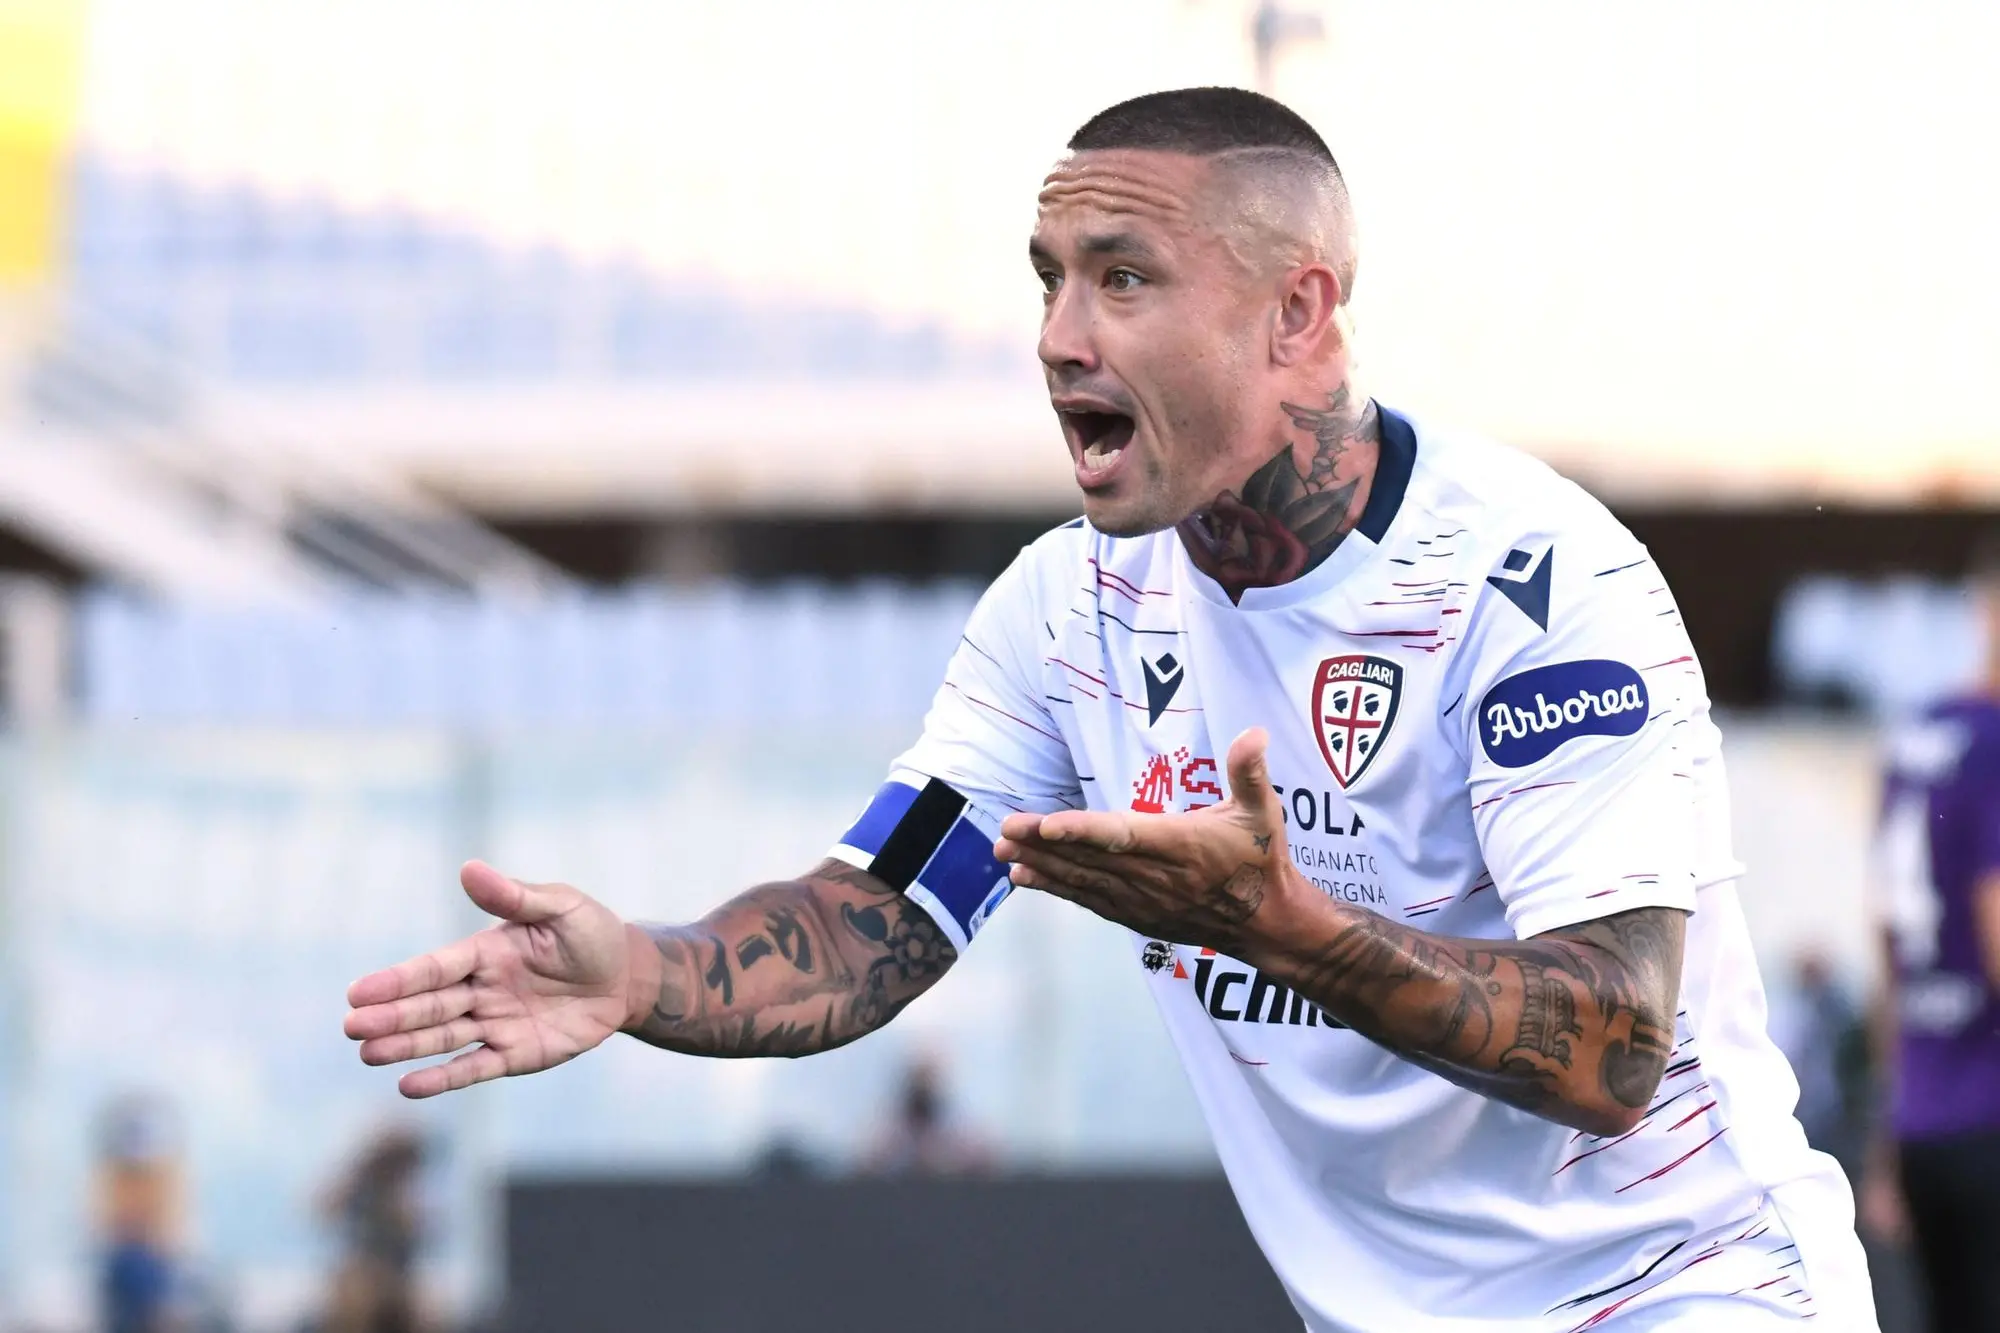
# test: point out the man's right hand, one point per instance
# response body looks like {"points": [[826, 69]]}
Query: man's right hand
{"points": [[555, 978], [789, 968]]}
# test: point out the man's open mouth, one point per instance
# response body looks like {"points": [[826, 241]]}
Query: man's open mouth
{"points": [[1098, 437]]}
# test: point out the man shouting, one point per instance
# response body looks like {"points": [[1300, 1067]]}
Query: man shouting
{"points": [[1455, 963]]}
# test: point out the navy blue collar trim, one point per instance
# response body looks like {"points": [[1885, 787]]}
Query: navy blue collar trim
{"points": [[1392, 474]]}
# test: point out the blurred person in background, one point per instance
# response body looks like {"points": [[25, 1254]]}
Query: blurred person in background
{"points": [[922, 1140], [1455, 966], [139, 1216], [1820, 1029], [374, 1207], [1934, 1168]]}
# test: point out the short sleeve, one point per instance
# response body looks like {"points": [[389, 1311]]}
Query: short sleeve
{"points": [[1585, 726], [989, 732], [988, 748]]}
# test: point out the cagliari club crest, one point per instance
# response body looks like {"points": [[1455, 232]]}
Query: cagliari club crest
{"points": [[1354, 703]]}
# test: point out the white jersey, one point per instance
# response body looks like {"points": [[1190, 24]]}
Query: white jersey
{"points": [[1486, 720]]}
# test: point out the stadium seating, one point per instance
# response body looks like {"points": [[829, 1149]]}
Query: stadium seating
{"points": [[263, 290]]}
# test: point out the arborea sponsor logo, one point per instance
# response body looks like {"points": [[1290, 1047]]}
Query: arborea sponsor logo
{"points": [[1526, 718], [1234, 994]]}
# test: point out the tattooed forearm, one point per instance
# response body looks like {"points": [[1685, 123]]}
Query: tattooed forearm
{"points": [[1575, 1025], [858, 954], [792, 939], [1548, 1016], [717, 976]]}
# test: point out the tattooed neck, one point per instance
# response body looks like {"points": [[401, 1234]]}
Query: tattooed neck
{"points": [[1286, 518]]}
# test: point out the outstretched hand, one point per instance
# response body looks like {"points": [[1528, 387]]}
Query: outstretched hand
{"points": [[546, 985], [1198, 878]]}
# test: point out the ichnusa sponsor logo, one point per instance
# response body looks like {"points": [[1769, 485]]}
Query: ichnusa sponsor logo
{"points": [[1233, 993], [1526, 718]]}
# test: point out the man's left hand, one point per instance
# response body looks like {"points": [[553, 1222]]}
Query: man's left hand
{"points": [[1212, 877]]}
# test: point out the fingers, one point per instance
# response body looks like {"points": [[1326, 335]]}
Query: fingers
{"points": [[1076, 855], [511, 899], [1070, 883], [1105, 830], [496, 894], [1021, 826], [407, 1015], [1249, 774], [433, 971], [1024, 876], [1051, 872], [475, 1066], [401, 1046]]}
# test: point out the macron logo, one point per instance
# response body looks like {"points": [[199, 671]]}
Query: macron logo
{"points": [[1527, 589], [1163, 681]]}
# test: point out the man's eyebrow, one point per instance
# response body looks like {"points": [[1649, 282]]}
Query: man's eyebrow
{"points": [[1117, 244], [1122, 244]]}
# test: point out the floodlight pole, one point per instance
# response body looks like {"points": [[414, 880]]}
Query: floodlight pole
{"points": [[1272, 28]]}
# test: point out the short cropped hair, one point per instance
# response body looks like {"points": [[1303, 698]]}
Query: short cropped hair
{"points": [[1292, 203], [1202, 122]]}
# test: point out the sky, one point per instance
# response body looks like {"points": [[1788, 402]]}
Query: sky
{"points": [[1687, 229]]}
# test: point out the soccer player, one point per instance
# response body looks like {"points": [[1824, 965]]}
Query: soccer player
{"points": [[1456, 964], [1936, 1172]]}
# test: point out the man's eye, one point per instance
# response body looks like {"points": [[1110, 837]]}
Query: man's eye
{"points": [[1050, 279], [1122, 280]]}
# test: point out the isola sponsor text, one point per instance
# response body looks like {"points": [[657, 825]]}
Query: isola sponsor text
{"points": [[1311, 859]]}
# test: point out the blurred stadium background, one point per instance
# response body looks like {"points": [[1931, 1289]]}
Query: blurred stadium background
{"points": [[574, 435]]}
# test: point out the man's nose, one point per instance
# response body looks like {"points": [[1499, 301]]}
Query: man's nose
{"points": [[1066, 342]]}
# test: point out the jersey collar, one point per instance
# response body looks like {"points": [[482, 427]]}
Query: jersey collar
{"points": [[1393, 469]]}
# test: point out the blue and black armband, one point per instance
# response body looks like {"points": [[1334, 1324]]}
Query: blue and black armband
{"points": [[921, 837]]}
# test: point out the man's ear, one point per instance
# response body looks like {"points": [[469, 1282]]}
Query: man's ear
{"points": [[1309, 300]]}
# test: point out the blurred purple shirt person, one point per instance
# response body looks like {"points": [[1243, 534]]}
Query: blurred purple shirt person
{"points": [[1938, 887], [1941, 839]]}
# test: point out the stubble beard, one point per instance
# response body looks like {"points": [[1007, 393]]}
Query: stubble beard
{"points": [[1152, 508], [1169, 481]]}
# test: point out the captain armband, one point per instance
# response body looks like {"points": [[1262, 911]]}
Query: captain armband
{"points": [[920, 836]]}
